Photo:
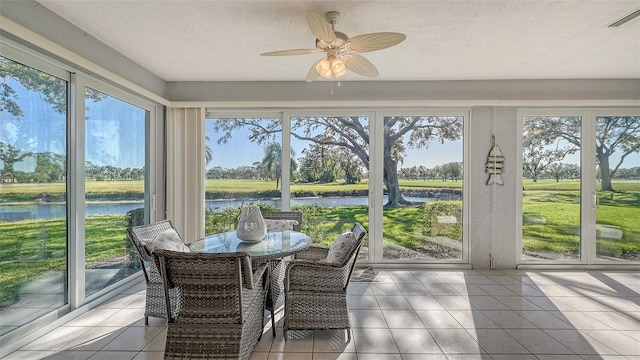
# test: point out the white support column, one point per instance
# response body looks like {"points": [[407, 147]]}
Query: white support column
{"points": [[185, 171]]}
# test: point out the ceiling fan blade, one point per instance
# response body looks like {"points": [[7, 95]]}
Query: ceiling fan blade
{"points": [[291, 52], [374, 41], [358, 64], [313, 73], [320, 28]]}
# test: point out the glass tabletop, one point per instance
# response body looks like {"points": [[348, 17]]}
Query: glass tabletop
{"points": [[275, 244]]}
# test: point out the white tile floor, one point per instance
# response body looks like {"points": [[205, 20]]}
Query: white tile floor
{"points": [[410, 315]]}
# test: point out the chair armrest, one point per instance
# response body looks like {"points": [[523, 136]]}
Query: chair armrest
{"points": [[313, 252], [317, 276]]}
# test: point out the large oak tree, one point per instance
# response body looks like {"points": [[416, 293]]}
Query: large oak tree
{"points": [[352, 133]]}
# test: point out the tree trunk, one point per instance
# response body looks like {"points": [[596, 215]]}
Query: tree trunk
{"points": [[391, 182], [605, 174]]}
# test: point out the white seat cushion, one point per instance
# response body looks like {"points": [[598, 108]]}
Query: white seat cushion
{"points": [[280, 224], [167, 240]]}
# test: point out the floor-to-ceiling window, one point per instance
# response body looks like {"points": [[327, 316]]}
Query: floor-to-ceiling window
{"points": [[330, 174], [325, 161], [580, 186], [243, 165], [423, 187], [617, 176], [33, 184], [74, 173], [551, 187], [115, 155]]}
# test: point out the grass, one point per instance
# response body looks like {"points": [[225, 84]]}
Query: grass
{"points": [[215, 188], [31, 248], [551, 211], [551, 219]]}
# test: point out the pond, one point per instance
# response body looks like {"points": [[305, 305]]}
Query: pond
{"points": [[11, 213]]}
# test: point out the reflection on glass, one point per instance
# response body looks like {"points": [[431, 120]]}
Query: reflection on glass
{"points": [[115, 167], [551, 188], [423, 171], [618, 192], [243, 166], [33, 174]]}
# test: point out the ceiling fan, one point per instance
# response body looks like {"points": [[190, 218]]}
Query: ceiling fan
{"points": [[341, 51]]}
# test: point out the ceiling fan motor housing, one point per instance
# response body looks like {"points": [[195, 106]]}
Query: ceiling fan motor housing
{"points": [[332, 17]]}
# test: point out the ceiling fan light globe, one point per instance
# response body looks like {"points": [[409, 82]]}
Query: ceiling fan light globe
{"points": [[338, 67], [324, 68]]}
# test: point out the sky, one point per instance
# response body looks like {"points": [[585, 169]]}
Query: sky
{"points": [[115, 136], [115, 130]]}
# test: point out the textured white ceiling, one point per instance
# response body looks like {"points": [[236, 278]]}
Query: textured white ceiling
{"points": [[446, 40]]}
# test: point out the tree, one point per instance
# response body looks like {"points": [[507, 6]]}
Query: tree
{"points": [[52, 89], [614, 134], [540, 148], [558, 171], [272, 161], [49, 167], [351, 134], [452, 170], [10, 155], [208, 152]]}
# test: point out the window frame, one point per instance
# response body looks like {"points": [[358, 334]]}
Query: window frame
{"points": [[376, 120], [588, 184], [76, 80]]}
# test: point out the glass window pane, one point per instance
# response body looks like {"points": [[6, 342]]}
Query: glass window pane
{"points": [[115, 151], [330, 175], [422, 217], [33, 175], [551, 188], [242, 166], [618, 179]]}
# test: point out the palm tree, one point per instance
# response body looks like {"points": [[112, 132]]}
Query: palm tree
{"points": [[272, 161], [208, 152]]}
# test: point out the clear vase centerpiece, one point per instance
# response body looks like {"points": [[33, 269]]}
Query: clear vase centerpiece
{"points": [[251, 225]]}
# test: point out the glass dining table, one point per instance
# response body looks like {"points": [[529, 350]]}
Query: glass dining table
{"points": [[275, 245]]}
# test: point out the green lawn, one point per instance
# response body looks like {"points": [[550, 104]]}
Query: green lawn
{"points": [[551, 223], [551, 219]]}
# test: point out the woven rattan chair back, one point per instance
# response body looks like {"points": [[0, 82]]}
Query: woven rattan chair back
{"points": [[278, 266], [316, 291], [219, 304], [154, 299]]}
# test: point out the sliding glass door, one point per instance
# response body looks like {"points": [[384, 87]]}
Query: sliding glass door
{"points": [[74, 165], [33, 185], [581, 186], [551, 188], [423, 187], [330, 174], [400, 175], [115, 162], [617, 177], [243, 165]]}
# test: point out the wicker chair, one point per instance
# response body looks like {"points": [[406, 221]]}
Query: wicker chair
{"points": [[154, 302], [277, 267], [316, 291], [220, 304]]}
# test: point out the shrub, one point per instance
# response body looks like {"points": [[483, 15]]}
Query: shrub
{"points": [[443, 218]]}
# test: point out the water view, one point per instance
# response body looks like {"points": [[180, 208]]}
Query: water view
{"points": [[10, 213]]}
